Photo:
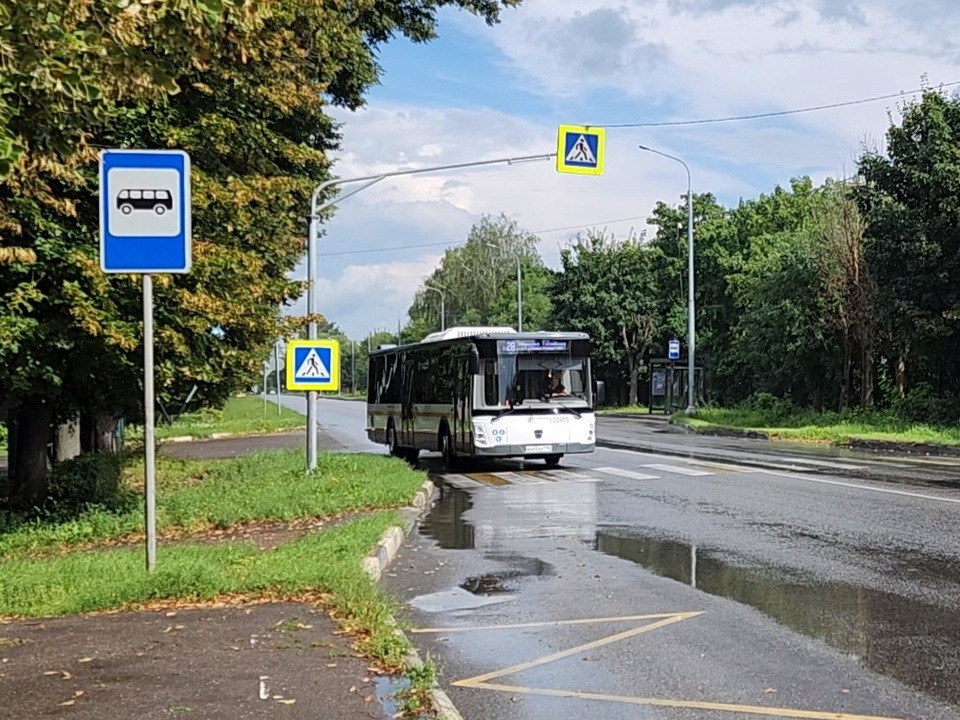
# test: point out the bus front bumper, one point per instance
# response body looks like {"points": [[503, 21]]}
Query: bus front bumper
{"points": [[533, 450]]}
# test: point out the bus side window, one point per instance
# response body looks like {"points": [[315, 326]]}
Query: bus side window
{"points": [[491, 389]]}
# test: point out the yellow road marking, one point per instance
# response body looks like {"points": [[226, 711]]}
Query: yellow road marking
{"points": [[488, 479], [482, 682], [472, 682], [686, 704]]}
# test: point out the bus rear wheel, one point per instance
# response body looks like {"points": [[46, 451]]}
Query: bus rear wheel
{"points": [[552, 460]]}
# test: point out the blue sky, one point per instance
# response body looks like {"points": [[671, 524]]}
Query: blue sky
{"points": [[479, 93]]}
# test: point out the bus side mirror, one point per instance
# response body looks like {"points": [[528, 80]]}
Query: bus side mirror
{"points": [[599, 393], [473, 364]]}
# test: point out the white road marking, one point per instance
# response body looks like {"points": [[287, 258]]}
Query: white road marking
{"points": [[678, 470], [621, 472], [793, 475]]}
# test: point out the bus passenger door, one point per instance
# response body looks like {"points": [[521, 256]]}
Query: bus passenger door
{"points": [[406, 429], [463, 407]]}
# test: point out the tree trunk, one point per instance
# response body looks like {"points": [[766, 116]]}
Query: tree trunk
{"points": [[98, 433], [634, 378], [900, 371], [846, 374], [866, 379], [31, 463]]}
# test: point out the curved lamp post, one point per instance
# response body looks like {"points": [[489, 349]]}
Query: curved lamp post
{"points": [[443, 325], [691, 310]]}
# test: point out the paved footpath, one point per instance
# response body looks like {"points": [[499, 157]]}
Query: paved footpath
{"points": [[276, 660]]}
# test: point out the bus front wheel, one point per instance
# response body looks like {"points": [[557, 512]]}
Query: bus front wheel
{"points": [[446, 447], [552, 460]]}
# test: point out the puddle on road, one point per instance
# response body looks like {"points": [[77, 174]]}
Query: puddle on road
{"points": [[528, 511], [445, 522], [914, 642]]}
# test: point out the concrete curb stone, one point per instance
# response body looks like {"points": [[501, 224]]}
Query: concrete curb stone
{"points": [[377, 561]]}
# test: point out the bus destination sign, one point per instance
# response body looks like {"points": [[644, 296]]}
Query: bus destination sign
{"points": [[511, 347]]}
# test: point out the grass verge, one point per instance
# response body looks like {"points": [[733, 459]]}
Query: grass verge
{"points": [[195, 496], [324, 562], [240, 416], [625, 410], [822, 428], [85, 564]]}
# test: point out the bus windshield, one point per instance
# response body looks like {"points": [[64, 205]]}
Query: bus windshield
{"points": [[535, 378]]}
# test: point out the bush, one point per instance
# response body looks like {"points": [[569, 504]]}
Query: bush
{"points": [[922, 405], [92, 480], [772, 407]]}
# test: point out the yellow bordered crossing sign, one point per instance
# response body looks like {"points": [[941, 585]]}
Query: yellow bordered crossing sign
{"points": [[313, 365], [580, 149]]}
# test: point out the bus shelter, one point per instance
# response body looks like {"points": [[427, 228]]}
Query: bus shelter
{"points": [[668, 389]]}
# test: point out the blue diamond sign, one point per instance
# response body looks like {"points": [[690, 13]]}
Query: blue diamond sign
{"points": [[145, 211]]}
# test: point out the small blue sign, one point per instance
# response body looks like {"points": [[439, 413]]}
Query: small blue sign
{"points": [[145, 221], [673, 350], [581, 149]]}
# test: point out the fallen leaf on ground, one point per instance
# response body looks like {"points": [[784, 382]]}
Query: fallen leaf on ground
{"points": [[769, 690], [353, 688], [290, 701], [68, 702], [85, 660]]}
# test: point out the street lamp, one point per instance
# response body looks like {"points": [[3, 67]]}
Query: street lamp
{"points": [[691, 310], [442, 306], [313, 240], [519, 287]]}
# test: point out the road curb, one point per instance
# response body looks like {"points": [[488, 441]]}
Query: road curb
{"points": [[377, 561]]}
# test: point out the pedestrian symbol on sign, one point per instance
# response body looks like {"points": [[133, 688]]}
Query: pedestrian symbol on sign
{"points": [[312, 367], [581, 152]]}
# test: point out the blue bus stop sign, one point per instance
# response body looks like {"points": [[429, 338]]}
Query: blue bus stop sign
{"points": [[673, 350], [145, 211]]}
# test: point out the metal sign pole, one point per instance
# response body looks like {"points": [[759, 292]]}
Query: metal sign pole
{"points": [[145, 229], [276, 372], [312, 335], [150, 468]]}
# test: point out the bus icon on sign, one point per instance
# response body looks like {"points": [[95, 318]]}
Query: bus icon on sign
{"points": [[158, 200]]}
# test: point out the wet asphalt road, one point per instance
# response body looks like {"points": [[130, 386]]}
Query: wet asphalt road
{"points": [[633, 585]]}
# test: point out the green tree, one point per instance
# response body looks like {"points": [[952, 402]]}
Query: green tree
{"points": [[607, 288], [244, 89], [478, 280], [910, 198]]}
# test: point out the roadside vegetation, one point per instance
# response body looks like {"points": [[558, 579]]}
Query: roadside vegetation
{"points": [[625, 410], [239, 416], [780, 420]]}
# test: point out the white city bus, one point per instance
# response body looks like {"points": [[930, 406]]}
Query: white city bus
{"points": [[484, 392]]}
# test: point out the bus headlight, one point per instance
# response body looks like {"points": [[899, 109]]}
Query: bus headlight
{"points": [[479, 434]]}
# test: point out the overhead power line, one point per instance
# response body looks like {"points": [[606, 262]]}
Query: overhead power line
{"points": [[448, 244], [777, 113]]}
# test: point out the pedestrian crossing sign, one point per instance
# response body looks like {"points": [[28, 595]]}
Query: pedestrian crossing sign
{"points": [[580, 149], [313, 365]]}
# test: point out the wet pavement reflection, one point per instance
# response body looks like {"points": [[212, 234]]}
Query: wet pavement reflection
{"points": [[912, 641]]}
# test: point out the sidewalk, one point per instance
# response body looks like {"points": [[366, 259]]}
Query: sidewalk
{"points": [[283, 660], [654, 434]]}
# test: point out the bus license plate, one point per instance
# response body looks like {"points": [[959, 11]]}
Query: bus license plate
{"points": [[539, 448]]}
